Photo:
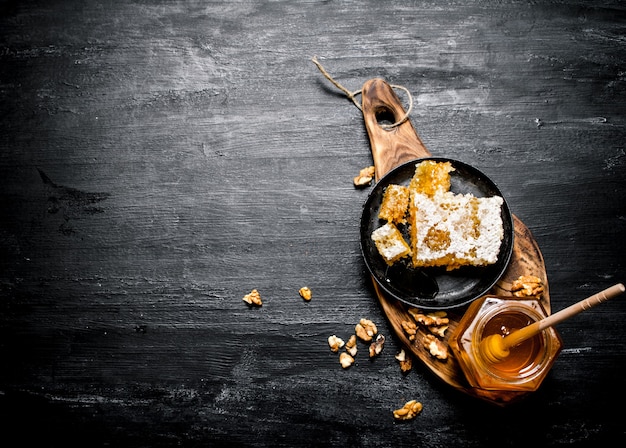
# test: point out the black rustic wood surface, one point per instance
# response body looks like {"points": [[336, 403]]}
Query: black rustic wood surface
{"points": [[160, 159]]}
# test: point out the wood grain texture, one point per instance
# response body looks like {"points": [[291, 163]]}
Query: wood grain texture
{"points": [[390, 147], [160, 159]]}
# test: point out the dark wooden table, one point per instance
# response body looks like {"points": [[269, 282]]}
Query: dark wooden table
{"points": [[159, 160]]}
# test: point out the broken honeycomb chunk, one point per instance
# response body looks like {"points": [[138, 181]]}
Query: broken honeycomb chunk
{"points": [[390, 243], [395, 204]]}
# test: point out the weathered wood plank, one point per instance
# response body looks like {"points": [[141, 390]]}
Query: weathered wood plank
{"points": [[158, 160]]}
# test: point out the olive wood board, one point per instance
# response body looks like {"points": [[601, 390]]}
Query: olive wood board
{"points": [[392, 147]]}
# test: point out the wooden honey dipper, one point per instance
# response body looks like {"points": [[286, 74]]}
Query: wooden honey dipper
{"points": [[496, 348]]}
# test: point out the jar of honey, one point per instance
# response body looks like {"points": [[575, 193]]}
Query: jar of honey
{"points": [[526, 365]]}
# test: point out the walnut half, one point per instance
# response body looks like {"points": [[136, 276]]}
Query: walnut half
{"points": [[365, 330], [435, 347], [306, 293], [410, 328], [254, 298], [410, 410], [335, 343], [346, 360], [435, 318], [377, 346], [365, 177], [351, 347], [527, 286], [405, 361]]}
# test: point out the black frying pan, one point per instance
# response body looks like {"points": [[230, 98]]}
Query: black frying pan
{"points": [[434, 288]]}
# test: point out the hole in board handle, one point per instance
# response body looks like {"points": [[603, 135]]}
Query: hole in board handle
{"points": [[385, 116]]}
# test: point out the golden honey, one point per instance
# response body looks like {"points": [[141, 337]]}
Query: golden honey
{"points": [[527, 364], [522, 357]]}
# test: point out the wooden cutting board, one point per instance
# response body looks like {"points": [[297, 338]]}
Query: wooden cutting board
{"points": [[400, 144]]}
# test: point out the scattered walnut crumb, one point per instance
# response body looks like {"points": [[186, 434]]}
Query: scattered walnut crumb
{"points": [[410, 410], [436, 347], [405, 361], [410, 328], [365, 177], [527, 286], [346, 360], [335, 343], [254, 298], [377, 346], [306, 293], [351, 346], [365, 330]]}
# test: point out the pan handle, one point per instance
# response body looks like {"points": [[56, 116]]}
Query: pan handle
{"points": [[390, 147]]}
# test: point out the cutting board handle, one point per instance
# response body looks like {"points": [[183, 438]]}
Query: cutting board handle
{"points": [[390, 146], [393, 146]]}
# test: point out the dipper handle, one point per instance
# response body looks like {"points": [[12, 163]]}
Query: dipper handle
{"points": [[496, 348]]}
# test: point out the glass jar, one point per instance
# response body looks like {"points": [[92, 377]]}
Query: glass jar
{"points": [[526, 365]]}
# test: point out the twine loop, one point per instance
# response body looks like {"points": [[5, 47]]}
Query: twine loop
{"points": [[352, 95]]}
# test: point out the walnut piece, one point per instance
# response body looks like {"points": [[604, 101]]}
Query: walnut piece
{"points": [[527, 286], [438, 330], [345, 360], [306, 293], [436, 348], [405, 361], [377, 346], [254, 298], [429, 319], [436, 322], [365, 330], [410, 328], [351, 346], [365, 177], [335, 343], [408, 411]]}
